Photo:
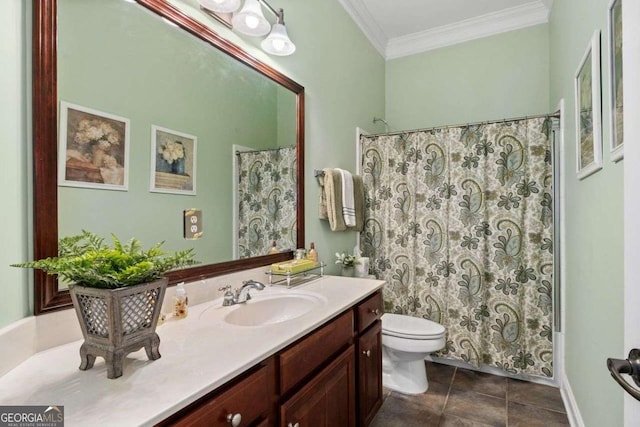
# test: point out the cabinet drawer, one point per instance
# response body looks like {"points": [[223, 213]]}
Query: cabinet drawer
{"points": [[305, 356], [249, 398], [369, 311]]}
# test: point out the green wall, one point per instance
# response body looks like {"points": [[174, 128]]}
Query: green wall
{"points": [[501, 76], [594, 287], [15, 172]]}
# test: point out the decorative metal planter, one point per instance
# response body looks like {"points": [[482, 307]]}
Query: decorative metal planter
{"points": [[116, 322]]}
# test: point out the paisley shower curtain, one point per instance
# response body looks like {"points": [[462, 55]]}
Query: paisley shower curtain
{"points": [[459, 223], [266, 200]]}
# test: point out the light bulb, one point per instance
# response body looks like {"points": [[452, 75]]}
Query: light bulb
{"points": [[278, 45], [251, 21], [278, 42]]}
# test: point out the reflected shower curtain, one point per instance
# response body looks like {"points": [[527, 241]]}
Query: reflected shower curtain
{"points": [[459, 223], [266, 200]]}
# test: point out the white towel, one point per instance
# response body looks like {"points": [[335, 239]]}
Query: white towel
{"points": [[348, 201]]}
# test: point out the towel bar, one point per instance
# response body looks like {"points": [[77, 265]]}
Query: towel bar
{"points": [[317, 173]]}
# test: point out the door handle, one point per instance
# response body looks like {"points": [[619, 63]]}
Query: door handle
{"points": [[630, 366]]}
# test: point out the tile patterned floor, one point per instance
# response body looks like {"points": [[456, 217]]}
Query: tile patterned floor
{"points": [[463, 398]]}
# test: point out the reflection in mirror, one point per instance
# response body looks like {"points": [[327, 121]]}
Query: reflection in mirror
{"points": [[140, 74], [152, 118], [266, 201]]}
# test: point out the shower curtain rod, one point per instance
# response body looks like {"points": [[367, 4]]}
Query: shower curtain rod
{"points": [[238, 152], [485, 122]]}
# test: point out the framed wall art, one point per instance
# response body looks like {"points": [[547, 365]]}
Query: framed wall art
{"points": [[173, 161], [93, 148], [588, 111], [615, 80]]}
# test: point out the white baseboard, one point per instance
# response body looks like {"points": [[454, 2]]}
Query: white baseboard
{"points": [[558, 357], [573, 413]]}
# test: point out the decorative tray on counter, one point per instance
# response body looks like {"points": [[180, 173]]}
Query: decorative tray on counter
{"points": [[295, 272]]}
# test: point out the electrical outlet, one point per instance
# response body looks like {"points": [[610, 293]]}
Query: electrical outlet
{"points": [[193, 224]]}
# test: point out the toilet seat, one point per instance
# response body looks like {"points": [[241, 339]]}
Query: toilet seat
{"points": [[414, 328]]}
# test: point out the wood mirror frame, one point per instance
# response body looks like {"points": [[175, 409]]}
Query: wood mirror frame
{"points": [[47, 296]]}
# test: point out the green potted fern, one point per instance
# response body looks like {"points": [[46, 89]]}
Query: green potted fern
{"points": [[117, 292]]}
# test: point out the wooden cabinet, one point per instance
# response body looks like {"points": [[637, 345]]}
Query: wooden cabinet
{"points": [[330, 378], [314, 405], [328, 400], [369, 348]]}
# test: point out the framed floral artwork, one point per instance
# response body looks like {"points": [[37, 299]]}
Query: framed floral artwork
{"points": [[93, 149], [173, 161], [588, 111], [615, 80]]}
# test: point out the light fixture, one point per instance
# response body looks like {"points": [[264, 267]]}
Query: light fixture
{"points": [[278, 41], [221, 6], [251, 21]]}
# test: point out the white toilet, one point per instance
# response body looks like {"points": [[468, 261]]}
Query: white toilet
{"points": [[406, 341]]}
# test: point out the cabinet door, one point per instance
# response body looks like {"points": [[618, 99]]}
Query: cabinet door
{"points": [[369, 374], [328, 400]]}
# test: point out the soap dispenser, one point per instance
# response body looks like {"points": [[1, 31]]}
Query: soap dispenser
{"points": [[312, 254], [180, 302]]}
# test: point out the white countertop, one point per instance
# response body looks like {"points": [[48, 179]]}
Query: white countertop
{"points": [[199, 354]]}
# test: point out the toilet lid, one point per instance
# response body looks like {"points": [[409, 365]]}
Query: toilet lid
{"points": [[410, 327]]}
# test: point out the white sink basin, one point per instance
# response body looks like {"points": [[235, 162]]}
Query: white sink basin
{"points": [[265, 310]]}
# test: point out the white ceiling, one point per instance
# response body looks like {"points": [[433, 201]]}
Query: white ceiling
{"points": [[405, 27]]}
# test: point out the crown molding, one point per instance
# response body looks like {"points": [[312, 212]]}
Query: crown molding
{"points": [[367, 24], [534, 13], [549, 5], [514, 18]]}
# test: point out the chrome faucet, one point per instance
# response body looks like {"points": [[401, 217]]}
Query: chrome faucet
{"points": [[232, 298], [248, 285]]}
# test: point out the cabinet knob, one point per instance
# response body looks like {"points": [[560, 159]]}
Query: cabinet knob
{"points": [[293, 425], [366, 353], [374, 311], [234, 419]]}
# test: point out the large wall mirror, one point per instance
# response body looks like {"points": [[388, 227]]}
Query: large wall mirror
{"points": [[142, 113]]}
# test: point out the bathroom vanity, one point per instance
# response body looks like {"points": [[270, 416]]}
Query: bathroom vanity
{"points": [[318, 380], [320, 365]]}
